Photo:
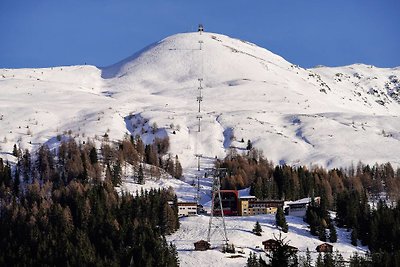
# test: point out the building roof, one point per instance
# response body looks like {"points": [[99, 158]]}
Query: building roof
{"points": [[247, 197], [325, 244], [273, 241], [187, 203], [302, 201], [245, 193], [201, 241]]}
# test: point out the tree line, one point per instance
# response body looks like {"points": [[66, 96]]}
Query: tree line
{"points": [[61, 208], [269, 181]]}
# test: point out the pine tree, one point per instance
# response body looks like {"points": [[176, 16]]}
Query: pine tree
{"points": [[281, 220], [116, 173], [93, 156], [332, 233], [169, 220], [321, 233], [16, 182], [16, 153], [354, 237], [249, 145], [284, 255], [257, 229], [140, 177], [307, 261], [339, 260], [252, 260], [178, 168], [261, 262], [320, 261], [328, 260]]}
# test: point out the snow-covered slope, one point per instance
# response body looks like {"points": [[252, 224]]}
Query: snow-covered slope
{"points": [[326, 116], [239, 233]]}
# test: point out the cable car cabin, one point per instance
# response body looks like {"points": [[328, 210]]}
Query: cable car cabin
{"points": [[227, 212], [230, 203]]}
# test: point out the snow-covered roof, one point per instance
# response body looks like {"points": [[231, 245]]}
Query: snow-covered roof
{"points": [[303, 201]]}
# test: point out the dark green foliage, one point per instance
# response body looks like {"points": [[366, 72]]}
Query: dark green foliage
{"points": [[328, 260], [178, 168], [281, 220], [359, 261], [253, 261], [5, 174], [284, 255], [321, 232], [354, 237], [64, 216], [320, 261], [318, 219], [306, 261], [267, 181], [116, 173], [16, 152], [93, 155], [140, 175], [249, 145], [332, 233], [257, 229]]}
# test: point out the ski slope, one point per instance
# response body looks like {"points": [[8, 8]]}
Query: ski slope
{"points": [[332, 117]]}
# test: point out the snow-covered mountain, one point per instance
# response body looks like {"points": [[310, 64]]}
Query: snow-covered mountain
{"points": [[326, 116]]}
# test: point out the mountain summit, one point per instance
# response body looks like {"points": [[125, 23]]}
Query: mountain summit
{"points": [[326, 116]]}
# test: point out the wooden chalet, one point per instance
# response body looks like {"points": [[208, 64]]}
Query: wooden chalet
{"points": [[324, 247], [201, 245], [270, 245]]}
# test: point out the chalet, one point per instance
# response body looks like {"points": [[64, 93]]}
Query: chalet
{"points": [[299, 207], [187, 208], [324, 247], [270, 245], [201, 245]]}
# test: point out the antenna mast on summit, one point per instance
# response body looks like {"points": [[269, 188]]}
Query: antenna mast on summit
{"points": [[200, 29]]}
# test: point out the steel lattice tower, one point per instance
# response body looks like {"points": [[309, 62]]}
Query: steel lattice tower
{"points": [[217, 224]]}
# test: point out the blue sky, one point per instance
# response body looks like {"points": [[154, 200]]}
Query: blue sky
{"points": [[45, 33]]}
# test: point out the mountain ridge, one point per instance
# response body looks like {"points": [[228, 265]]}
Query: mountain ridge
{"points": [[295, 115]]}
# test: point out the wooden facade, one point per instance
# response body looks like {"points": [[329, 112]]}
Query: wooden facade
{"points": [[324, 247], [201, 245], [270, 245]]}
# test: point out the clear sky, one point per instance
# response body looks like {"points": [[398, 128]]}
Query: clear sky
{"points": [[43, 33]]}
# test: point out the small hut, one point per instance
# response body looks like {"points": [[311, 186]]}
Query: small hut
{"points": [[324, 247], [270, 245], [273, 245], [201, 245]]}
